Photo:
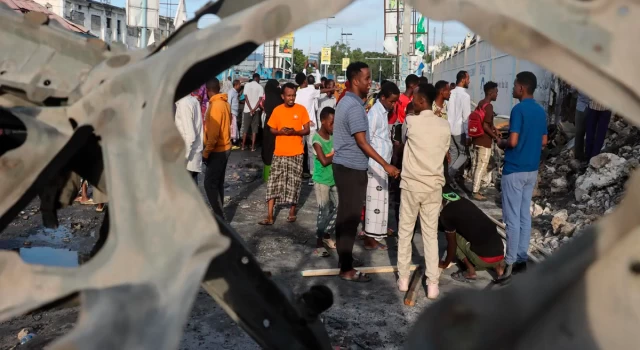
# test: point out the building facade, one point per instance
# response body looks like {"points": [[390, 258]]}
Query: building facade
{"points": [[106, 21]]}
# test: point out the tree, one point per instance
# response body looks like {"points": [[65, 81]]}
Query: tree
{"points": [[299, 59]]}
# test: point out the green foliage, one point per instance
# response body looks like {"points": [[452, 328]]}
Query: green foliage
{"points": [[340, 51], [298, 60]]}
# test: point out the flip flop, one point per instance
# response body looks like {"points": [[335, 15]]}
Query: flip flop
{"points": [[379, 246], [460, 277], [329, 243], [390, 232], [88, 202], [266, 222], [292, 218], [361, 235], [100, 210], [321, 253], [357, 277]]}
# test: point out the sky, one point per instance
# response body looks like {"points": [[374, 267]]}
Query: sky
{"points": [[367, 34]]}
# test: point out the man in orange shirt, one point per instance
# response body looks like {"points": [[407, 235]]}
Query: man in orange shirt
{"points": [[289, 122], [217, 145]]}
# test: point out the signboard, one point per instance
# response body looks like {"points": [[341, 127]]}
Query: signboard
{"points": [[134, 13], [313, 57], [345, 63], [285, 44], [326, 56]]}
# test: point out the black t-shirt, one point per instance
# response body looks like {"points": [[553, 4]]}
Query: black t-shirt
{"points": [[471, 223]]}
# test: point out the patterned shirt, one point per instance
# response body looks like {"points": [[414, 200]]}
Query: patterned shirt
{"points": [[202, 96], [379, 131], [443, 110], [350, 119]]}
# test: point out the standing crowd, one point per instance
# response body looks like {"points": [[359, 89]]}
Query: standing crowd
{"points": [[407, 148]]}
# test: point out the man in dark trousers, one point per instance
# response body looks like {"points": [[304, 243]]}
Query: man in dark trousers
{"points": [[350, 164], [471, 236]]}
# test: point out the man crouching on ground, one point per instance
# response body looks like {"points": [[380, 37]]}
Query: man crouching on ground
{"points": [[289, 122], [471, 236], [427, 142]]}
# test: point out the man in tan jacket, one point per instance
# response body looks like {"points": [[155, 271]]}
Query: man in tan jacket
{"points": [[427, 142]]}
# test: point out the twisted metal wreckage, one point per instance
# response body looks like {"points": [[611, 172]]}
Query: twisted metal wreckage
{"points": [[76, 107]]}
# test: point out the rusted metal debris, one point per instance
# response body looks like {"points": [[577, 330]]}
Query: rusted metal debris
{"points": [[78, 107]]}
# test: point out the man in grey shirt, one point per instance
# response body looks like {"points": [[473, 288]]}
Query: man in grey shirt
{"points": [[350, 164], [234, 104]]}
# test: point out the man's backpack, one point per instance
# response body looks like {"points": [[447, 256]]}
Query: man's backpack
{"points": [[476, 119]]}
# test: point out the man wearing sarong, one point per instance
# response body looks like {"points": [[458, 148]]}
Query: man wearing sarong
{"points": [[289, 122], [377, 202]]}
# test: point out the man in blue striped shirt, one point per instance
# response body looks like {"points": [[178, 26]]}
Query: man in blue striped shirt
{"points": [[350, 164]]}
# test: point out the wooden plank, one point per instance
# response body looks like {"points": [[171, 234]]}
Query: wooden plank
{"points": [[416, 278], [364, 269]]}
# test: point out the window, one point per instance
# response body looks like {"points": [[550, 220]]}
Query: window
{"points": [[118, 27], [79, 7], [77, 17], [108, 23], [96, 24]]}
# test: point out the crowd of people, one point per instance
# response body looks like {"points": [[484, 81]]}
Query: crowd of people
{"points": [[405, 148]]}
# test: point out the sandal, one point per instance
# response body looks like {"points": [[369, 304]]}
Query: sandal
{"points": [[361, 235], [88, 202], [292, 218], [357, 277], [321, 252], [329, 243], [390, 232], [460, 277], [100, 209], [266, 222]]}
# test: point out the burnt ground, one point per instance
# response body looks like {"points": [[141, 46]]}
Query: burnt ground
{"points": [[364, 316]]}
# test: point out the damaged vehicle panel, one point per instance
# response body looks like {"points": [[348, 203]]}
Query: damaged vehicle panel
{"points": [[100, 121]]}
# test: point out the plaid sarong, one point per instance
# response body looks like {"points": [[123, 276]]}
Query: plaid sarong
{"points": [[285, 179]]}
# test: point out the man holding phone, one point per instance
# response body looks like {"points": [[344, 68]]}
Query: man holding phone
{"points": [[289, 122]]}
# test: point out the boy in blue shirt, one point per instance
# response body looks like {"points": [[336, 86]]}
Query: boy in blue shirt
{"points": [[527, 137]]}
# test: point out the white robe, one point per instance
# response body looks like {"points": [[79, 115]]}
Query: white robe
{"points": [[189, 123]]}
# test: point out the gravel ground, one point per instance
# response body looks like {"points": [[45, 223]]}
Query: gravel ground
{"points": [[364, 316]]}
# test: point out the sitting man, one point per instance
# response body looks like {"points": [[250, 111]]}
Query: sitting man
{"points": [[471, 236]]}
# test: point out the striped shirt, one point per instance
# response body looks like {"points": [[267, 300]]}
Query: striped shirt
{"points": [[379, 131], [350, 119], [597, 106]]}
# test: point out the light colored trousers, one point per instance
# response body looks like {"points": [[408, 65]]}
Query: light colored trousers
{"points": [[481, 161], [310, 151], [427, 204]]}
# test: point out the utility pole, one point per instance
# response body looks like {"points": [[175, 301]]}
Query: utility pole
{"points": [[343, 35], [397, 41], [143, 35], [442, 34], [379, 59], [326, 43], [434, 43], [273, 72]]}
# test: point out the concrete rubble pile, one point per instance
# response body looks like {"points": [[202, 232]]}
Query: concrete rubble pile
{"points": [[572, 195]]}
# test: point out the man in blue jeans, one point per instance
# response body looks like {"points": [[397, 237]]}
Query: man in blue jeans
{"points": [[527, 137]]}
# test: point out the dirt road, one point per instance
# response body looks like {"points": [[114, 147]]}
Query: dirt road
{"points": [[364, 316]]}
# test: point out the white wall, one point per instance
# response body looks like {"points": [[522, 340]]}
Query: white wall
{"points": [[486, 63]]}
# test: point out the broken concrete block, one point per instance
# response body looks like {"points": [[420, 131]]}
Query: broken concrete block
{"points": [[536, 210], [559, 185], [604, 169], [559, 219], [568, 229]]}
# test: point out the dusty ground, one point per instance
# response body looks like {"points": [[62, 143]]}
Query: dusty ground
{"points": [[364, 316]]}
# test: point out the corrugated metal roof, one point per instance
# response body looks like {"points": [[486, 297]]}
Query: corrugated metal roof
{"points": [[24, 6]]}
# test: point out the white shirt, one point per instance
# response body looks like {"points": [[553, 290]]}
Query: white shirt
{"points": [[315, 74], [325, 100], [253, 91], [233, 101], [458, 110], [189, 123], [379, 133], [308, 97]]}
